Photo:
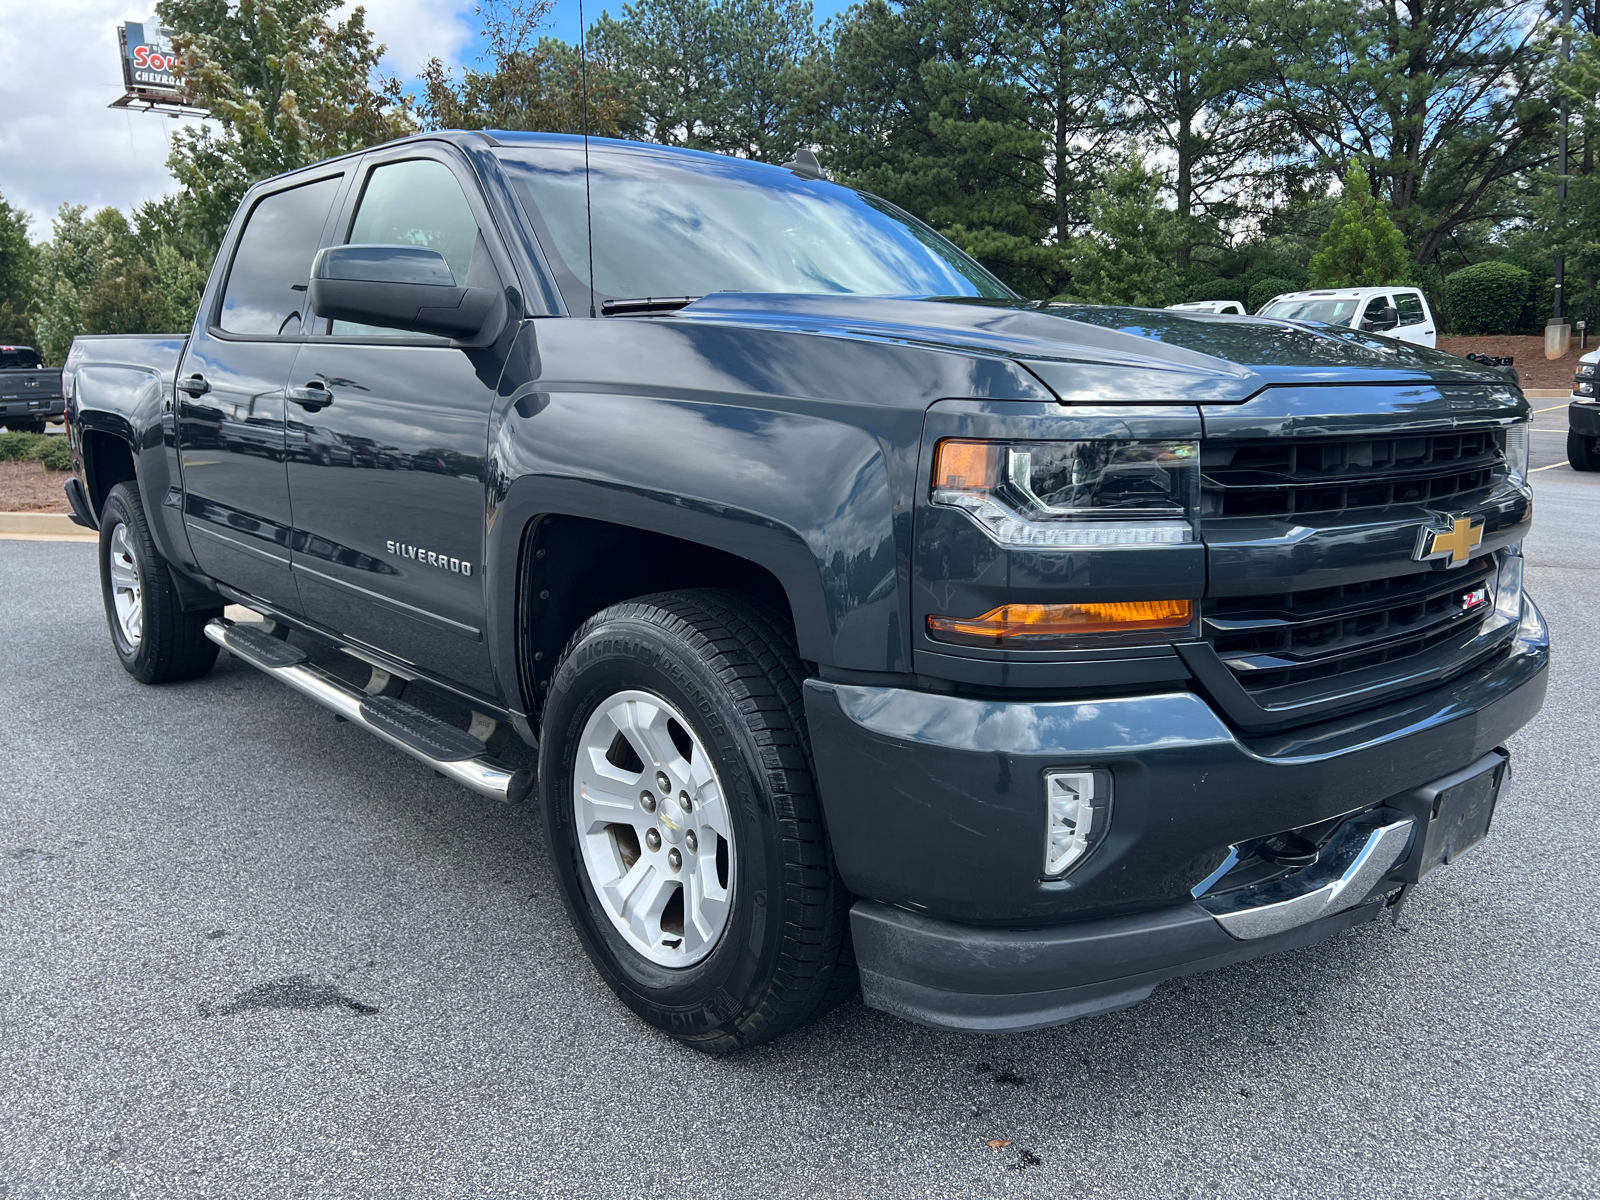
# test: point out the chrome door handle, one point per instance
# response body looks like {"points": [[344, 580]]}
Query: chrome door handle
{"points": [[313, 397], [195, 385]]}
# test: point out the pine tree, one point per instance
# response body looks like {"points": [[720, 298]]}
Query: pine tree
{"points": [[1362, 248]]}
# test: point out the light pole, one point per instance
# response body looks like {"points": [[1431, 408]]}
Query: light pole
{"points": [[1558, 334]]}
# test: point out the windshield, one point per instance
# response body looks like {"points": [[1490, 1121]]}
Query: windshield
{"points": [[668, 226], [1332, 312]]}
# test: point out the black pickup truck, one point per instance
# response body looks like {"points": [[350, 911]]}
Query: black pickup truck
{"points": [[869, 622], [30, 392]]}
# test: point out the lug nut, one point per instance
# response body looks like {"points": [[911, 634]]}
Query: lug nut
{"points": [[652, 838], [663, 782], [691, 841], [674, 859], [647, 802], [683, 799]]}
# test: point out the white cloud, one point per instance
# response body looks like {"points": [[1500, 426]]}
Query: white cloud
{"points": [[60, 143]]}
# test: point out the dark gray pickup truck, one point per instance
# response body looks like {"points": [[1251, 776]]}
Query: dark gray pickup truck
{"points": [[30, 392], [869, 622]]}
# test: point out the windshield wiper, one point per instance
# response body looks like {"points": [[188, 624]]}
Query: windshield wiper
{"points": [[645, 304]]}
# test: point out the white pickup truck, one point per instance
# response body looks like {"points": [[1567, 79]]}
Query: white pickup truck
{"points": [[1399, 312]]}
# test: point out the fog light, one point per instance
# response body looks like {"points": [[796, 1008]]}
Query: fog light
{"points": [[1078, 808]]}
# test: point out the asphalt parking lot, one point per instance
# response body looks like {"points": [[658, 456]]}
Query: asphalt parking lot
{"points": [[248, 951]]}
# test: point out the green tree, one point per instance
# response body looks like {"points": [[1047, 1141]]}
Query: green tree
{"points": [[523, 82], [18, 264], [1127, 256], [1445, 100], [1362, 247], [289, 87]]}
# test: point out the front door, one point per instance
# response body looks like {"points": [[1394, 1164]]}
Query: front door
{"points": [[230, 398], [388, 448]]}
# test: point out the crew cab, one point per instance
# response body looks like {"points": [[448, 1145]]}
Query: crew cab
{"points": [[1399, 312], [869, 623], [30, 392]]}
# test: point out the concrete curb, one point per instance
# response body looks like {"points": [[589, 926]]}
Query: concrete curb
{"points": [[54, 527], [1546, 393]]}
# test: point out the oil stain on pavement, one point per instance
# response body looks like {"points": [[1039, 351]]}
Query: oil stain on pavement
{"points": [[292, 991]]}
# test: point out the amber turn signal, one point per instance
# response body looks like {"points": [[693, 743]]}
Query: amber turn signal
{"points": [[966, 466], [1020, 624]]}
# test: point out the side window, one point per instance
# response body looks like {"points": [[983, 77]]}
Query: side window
{"points": [[271, 267], [1374, 309], [1410, 306], [416, 203]]}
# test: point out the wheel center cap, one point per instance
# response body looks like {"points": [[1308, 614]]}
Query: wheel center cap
{"points": [[672, 818]]}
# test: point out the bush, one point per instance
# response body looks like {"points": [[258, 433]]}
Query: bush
{"points": [[1218, 289], [1263, 290], [1487, 297], [36, 447]]}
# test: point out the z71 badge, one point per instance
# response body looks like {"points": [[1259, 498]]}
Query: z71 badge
{"points": [[432, 559]]}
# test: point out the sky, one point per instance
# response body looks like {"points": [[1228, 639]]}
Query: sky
{"points": [[59, 143]]}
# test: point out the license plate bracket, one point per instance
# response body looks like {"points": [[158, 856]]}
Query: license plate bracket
{"points": [[1453, 814]]}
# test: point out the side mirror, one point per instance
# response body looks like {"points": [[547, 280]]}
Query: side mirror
{"points": [[402, 287]]}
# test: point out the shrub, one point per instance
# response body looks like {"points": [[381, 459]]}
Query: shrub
{"points": [[1487, 297], [36, 447], [1218, 289], [1263, 290]]}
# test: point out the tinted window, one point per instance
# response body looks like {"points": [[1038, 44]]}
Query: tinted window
{"points": [[272, 266], [688, 226], [414, 203], [18, 358], [1374, 309], [1410, 306]]}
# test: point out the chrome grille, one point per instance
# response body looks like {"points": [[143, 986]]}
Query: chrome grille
{"points": [[1285, 638], [1287, 477]]}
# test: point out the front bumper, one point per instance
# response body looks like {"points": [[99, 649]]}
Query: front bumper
{"points": [[936, 815], [1584, 418]]}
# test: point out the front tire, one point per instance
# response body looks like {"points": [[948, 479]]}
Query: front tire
{"points": [[744, 935], [1583, 451], [156, 641]]}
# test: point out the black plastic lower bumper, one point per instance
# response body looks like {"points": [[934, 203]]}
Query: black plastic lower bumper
{"points": [[1009, 981], [1584, 418]]}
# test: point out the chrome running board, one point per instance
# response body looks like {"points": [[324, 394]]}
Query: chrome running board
{"points": [[452, 752], [1345, 875]]}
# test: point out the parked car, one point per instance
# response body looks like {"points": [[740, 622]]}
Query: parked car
{"points": [[1398, 312], [1209, 306], [30, 392], [870, 622], [1583, 415]]}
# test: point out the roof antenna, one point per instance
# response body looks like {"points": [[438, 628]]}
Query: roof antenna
{"points": [[588, 205]]}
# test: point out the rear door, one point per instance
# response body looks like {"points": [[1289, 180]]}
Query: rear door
{"points": [[230, 396], [1416, 321], [390, 493]]}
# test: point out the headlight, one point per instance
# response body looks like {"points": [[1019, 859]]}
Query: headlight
{"points": [[1073, 494], [1517, 451], [1586, 370]]}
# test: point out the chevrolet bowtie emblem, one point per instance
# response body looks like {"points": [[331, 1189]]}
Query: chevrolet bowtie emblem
{"points": [[1456, 543]]}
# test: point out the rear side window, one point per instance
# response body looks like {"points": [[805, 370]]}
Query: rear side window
{"points": [[271, 268], [417, 202], [1410, 306]]}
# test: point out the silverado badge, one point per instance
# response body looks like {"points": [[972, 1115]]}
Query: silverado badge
{"points": [[1455, 543]]}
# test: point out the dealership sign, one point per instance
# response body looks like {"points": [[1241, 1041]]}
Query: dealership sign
{"points": [[149, 67]]}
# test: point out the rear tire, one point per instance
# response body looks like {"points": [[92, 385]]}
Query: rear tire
{"points": [[1583, 451], [717, 674], [156, 641]]}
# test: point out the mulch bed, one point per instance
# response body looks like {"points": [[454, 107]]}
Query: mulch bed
{"points": [[1536, 370], [28, 487]]}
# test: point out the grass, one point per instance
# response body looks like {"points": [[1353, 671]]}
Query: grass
{"points": [[52, 452]]}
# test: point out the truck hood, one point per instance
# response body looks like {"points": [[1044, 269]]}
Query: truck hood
{"points": [[1093, 354]]}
